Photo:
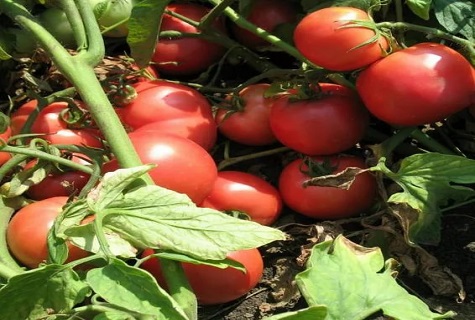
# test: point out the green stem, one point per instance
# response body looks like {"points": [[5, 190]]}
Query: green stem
{"points": [[230, 161], [390, 144], [75, 21], [183, 294], [217, 11], [8, 166], [432, 144]]}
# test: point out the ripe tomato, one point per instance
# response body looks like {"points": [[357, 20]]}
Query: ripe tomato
{"points": [[57, 184], [326, 38], [214, 285], [250, 124], [4, 136], [186, 55], [267, 15], [418, 85], [327, 202], [329, 124], [236, 190], [182, 165], [197, 129], [28, 230], [162, 101], [54, 128]]}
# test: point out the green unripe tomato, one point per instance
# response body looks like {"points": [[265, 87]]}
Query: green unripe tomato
{"points": [[55, 21], [110, 13]]}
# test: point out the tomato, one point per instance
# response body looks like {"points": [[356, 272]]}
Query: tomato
{"points": [[418, 85], [214, 285], [113, 13], [329, 124], [326, 38], [182, 165], [186, 55], [57, 184], [327, 202], [4, 136], [197, 129], [162, 101], [267, 15], [236, 190], [49, 123], [28, 230], [55, 21], [249, 125]]}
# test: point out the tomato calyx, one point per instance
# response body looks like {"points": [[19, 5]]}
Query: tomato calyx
{"points": [[315, 168], [378, 33]]}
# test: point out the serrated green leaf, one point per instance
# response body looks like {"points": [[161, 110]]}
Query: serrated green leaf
{"points": [[310, 313], [420, 7], [134, 289], [353, 283], [37, 293], [456, 16], [429, 181], [144, 26]]}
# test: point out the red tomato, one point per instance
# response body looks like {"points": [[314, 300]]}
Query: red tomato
{"points": [[28, 230], [4, 136], [330, 124], [197, 129], [327, 202], [49, 123], [325, 38], [250, 125], [214, 285], [182, 165], [163, 101], [267, 15], [57, 184], [236, 190], [186, 55], [421, 84]]}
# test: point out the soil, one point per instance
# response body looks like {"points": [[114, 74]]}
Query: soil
{"points": [[277, 293]]}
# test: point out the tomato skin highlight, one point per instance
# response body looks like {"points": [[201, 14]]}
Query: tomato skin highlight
{"points": [[422, 84], [214, 285], [236, 190], [324, 38], [182, 165], [327, 202], [28, 230], [186, 55], [331, 124]]}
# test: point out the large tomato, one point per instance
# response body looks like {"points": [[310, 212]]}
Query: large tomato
{"points": [[328, 39], [186, 55], [327, 202], [4, 136], [331, 123], [267, 15], [182, 165], [162, 101], [249, 124], [214, 285], [418, 85], [28, 230], [236, 190]]}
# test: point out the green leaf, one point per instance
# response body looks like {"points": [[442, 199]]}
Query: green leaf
{"points": [[21, 181], [114, 315], [354, 282], [457, 16], [429, 181], [133, 289], [312, 5], [40, 292], [144, 26], [420, 7], [310, 313], [6, 44]]}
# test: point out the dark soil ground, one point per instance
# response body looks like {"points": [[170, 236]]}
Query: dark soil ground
{"points": [[277, 293]]}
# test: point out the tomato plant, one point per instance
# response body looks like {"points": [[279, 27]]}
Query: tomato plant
{"points": [[330, 123], [186, 55], [268, 15], [241, 191], [182, 165], [422, 84], [331, 39], [55, 21], [213, 285], [28, 230], [248, 122], [113, 16], [322, 202]]}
